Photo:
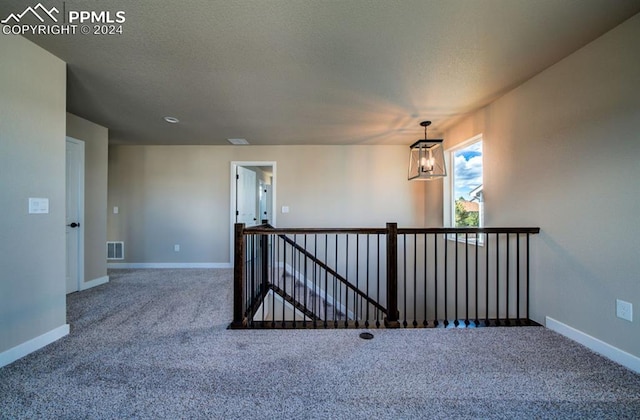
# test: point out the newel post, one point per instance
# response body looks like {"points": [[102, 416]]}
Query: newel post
{"points": [[264, 248], [391, 321], [238, 276]]}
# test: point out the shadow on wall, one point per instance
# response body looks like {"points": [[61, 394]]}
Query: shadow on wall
{"points": [[564, 277]]}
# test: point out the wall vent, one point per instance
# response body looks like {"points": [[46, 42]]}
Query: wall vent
{"points": [[115, 250]]}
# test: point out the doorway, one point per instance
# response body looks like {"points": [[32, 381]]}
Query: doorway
{"points": [[74, 219], [253, 191]]}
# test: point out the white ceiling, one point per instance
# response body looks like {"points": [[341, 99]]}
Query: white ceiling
{"points": [[311, 71]]}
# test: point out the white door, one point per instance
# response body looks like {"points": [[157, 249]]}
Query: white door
{"points": [[246, 191], [74, 213]]}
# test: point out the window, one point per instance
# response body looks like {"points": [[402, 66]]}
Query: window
{"points": [[463, 199]]}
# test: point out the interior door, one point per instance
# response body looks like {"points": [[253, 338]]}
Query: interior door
{"points": [[265, 201], [74, 213], [246, 200]]}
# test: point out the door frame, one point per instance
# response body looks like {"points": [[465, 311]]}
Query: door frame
{"points": [[80, 230], [232, 197]]}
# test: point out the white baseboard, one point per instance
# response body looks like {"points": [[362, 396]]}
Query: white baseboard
{"points": [[93, 283], [627, 360], [21, 350], [169, 265]]}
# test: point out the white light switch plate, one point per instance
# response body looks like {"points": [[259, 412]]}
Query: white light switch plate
{"points": [[38, 205]]}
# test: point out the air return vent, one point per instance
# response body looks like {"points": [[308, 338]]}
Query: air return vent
{"points": [[115, 250]]}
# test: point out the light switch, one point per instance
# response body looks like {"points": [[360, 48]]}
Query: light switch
{"points": [[116, 210], [285, 209], [38, 205]]}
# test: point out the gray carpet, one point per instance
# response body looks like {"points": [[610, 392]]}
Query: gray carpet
{"points": [[154, 344]]}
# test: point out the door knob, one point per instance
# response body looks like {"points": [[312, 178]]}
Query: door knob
{"points": [[74, 225]]}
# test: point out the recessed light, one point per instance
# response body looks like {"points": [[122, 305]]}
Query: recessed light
{"points": [[172, 120], [238, 141]]}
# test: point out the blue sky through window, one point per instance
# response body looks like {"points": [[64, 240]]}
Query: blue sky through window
{"points": [[468, 170]]}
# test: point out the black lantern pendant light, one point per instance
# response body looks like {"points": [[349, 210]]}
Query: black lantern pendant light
{"points": [[426, 159]]}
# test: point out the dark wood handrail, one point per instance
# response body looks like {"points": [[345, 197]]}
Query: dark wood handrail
{"points": [[381, 231], [301, 231], [462, 230], [263, 229]]}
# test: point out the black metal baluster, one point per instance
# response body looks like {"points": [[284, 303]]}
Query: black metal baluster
{"points": [[378, 313], [255, 263], [435, 278], [248, 274], [527, 276], [294, 278], [404, 275], [424, 321], [276, 279], [304, 286], [296, 284], [274, 270], [326, 279], [456, 295], [415, 279], [284, 284], [335, 291], [518, 279], [497, 279], [258, 267], [476, 321], [251, 292], [356, 315], [346, 291], [486, 291], [314, 293], [247, 271], [466, 279], [265, 282], [508, 298], [446, 285], [366, 322]]}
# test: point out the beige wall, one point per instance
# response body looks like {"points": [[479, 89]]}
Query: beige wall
{"points": [[96, 140], [181, 194], [32, 164], [561, 152]]}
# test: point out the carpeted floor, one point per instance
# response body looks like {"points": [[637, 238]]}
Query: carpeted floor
{"points": [[154, 344]]}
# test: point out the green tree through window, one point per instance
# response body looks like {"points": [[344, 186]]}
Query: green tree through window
{"points": [[464, 217]]}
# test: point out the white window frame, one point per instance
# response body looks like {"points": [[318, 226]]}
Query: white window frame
{"points": [[449, 186]]}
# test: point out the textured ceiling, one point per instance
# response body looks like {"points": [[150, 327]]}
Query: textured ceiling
{"points": [[311, 71]]}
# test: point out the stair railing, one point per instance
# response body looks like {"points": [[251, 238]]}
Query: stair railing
{"points": [[428, 277]]}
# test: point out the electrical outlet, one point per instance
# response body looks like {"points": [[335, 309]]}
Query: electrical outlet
{"points": [[624, 310], [176, 248]]}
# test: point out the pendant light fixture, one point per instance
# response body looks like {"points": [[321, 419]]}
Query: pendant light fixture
{"points": [[426, 158]]}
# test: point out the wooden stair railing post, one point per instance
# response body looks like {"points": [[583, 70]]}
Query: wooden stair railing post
{"points": [[238, 276], [391, 320]]}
